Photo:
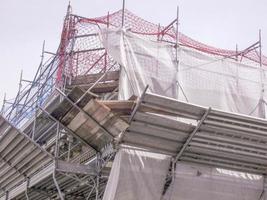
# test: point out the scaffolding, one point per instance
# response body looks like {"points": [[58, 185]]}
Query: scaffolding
{"points": [[59, 136]]}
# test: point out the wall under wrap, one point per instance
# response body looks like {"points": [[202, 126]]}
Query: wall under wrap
{"points": [[199, 78], [144, 62], [139, 175], [220, 83], [194, 182]]}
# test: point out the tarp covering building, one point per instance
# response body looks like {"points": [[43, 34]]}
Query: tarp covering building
{"points": [[137, 174], [134, 110], [190, 76]]}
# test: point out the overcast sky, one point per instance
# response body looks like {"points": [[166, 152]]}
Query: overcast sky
{"points": [[25, 24]]}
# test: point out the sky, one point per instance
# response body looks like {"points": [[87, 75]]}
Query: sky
{"points": [[24, 25]]}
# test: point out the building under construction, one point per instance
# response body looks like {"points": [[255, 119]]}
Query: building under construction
{"points": [[130, 110]]}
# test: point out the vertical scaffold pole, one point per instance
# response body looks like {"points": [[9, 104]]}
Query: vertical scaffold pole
{"points": [[158, 34], [237, 69], [106, 57], [262, 102], [3, 105], [97, 177], [236, 52], [7, 195], [123, 11], [176, 49], [38, 95], [18, 95], [177, 27], [60, 194], [260, 45], [57, 141]]}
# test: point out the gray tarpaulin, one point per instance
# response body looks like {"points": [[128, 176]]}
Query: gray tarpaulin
{"points": [[137, 175], [194, 182], [144, 63], [198, 77]]}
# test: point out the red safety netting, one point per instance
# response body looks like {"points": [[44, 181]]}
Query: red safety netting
{"points": [[81, 50]]}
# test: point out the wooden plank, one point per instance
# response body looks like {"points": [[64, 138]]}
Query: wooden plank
{"points": [[65, 112], [123, 107], [116, 125], [74, 111], [92, 78], [77, 122], [97, 110], [61, 110], [90, 131], [120, 106], [102, 114], [104, 87], [69, 116]]}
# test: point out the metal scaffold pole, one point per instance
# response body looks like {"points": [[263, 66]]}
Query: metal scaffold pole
{"points": [[123, 12], [260, 45], [18, 95], [262, 102], [177, 27], [3, 105], [176, 49], [78, 126], [38, 93], [237, 68]]}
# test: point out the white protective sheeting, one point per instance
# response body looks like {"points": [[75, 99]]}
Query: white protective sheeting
{"points": [[193, 182], [220, 83], [229, 85], [137, 175], [144, 62]]}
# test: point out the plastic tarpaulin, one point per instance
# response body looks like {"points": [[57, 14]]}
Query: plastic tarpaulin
{"points": [[220, 83], [197, 77], [193, 182], [137, 175], [144, 62]]}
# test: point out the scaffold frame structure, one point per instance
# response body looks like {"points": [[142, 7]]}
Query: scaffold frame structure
{"points": [[75, 91]]}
